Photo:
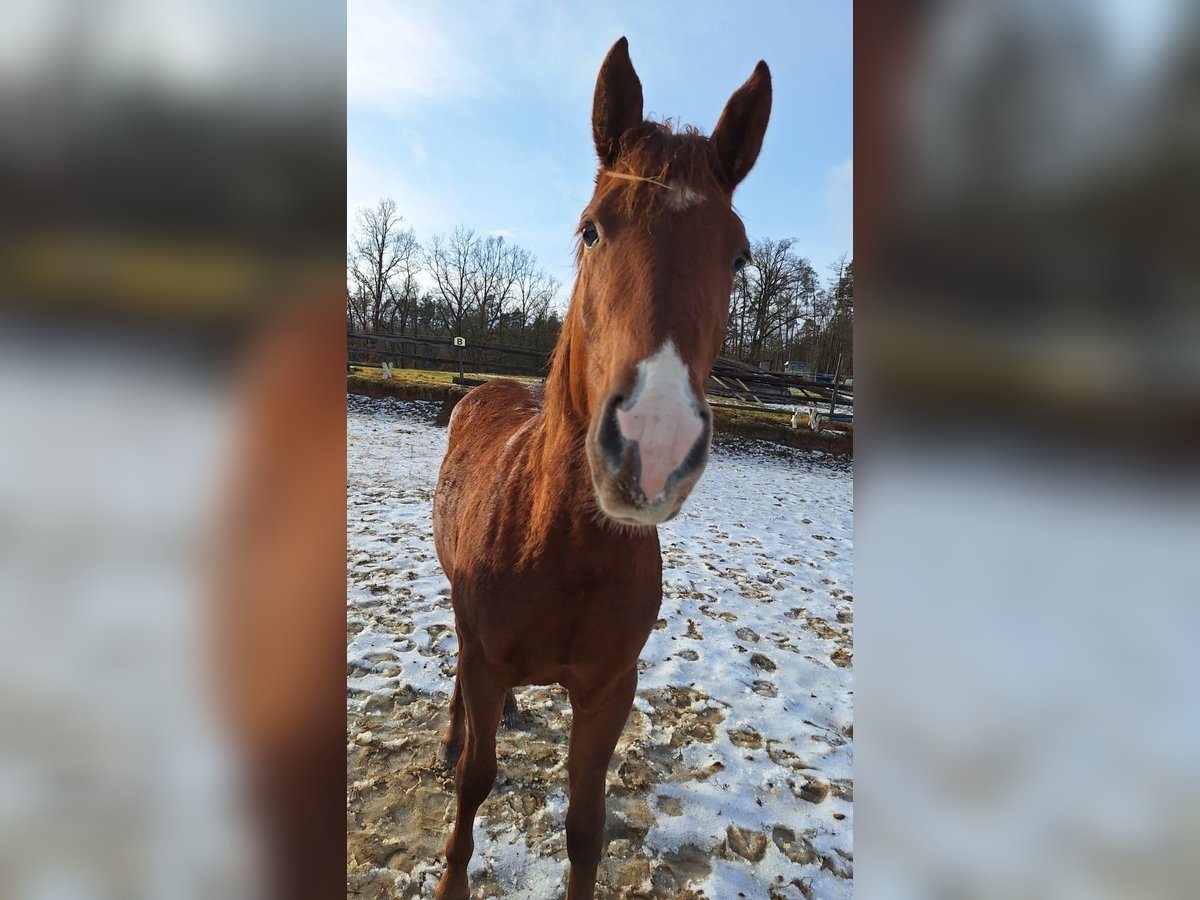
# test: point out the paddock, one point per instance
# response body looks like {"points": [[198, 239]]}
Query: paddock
{"points": [[734, 770]]}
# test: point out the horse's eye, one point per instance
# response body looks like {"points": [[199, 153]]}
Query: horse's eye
{"points": [[739, 261], [589, 233]]}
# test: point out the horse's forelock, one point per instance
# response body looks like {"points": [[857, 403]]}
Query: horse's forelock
{"points": [[660, 154]]}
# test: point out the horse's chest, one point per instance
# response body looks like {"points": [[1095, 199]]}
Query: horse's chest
{"points": [[609, 619], [543, 630]]}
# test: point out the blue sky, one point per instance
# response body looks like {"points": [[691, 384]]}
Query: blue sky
{"points": [[479, 114]]}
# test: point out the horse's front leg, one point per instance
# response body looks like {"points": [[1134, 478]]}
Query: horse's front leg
{"points": [[596, 723], [482, 701]]}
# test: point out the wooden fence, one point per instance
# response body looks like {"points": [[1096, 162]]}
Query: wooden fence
{"points": [[440, 355], [730, 379]]}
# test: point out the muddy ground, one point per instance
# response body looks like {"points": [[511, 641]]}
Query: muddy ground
{"points": [[733, 775]]}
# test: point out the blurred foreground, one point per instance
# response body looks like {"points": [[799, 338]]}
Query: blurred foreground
{"points": [[1028, 403], [172, 458]]}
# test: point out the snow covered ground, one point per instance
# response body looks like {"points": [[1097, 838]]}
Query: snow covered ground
{"points": [[733, 777]]}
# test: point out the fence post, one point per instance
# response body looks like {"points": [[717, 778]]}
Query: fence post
{"points": [[837, 373]]}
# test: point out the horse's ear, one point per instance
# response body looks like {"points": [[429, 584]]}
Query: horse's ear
{"points": [[617, 106], [739, 133]]}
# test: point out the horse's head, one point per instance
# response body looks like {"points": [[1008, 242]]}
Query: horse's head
{"points": [[660, 245]]}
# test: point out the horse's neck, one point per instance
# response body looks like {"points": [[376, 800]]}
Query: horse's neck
{"points": [[564, 414], [564, 500], [565, 483], [566, 402]]}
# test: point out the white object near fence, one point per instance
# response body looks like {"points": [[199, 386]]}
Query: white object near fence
{"points": [[816, 421]]}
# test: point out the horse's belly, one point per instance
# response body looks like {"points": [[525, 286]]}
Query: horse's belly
{"points": [[585, 644]]}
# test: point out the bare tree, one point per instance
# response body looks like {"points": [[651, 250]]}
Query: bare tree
{"points": [[837, 336], [381, 266], [533, 292], [483, 286], [771, 303], [771, 287], [450, 263], [494, 271]]}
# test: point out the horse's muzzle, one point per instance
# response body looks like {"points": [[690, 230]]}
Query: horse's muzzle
{"points": [[645, 459]]}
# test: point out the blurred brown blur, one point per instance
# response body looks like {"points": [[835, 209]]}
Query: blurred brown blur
{"points": [[282, 570], [1028, 210], [172, 466], [1027, 406]]}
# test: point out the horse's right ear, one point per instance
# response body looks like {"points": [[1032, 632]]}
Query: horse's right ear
{"points": [[617, 106]]}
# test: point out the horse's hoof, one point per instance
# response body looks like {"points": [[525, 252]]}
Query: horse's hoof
{"points": [[450, 757], [509, 716]]}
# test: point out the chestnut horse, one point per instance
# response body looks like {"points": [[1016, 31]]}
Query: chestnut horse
{"points": [[547, 501]]}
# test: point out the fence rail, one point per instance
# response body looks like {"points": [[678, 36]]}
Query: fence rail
{"points": [[730, 378], [441, 354]]}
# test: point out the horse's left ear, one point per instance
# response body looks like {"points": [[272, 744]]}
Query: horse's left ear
{"points": [[739, 133]]}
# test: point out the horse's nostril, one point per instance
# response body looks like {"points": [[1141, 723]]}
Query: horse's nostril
{"points": [[609, 437]]}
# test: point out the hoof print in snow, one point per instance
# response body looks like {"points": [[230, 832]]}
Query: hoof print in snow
{"points": [[764, 688], [718, 614], [700, 731], [821, 628], [636, 871], [761, 662], [748, 738], [749, 845], [687, 864], [812, 791], [839, 867], [670, 806], [796, 848]]}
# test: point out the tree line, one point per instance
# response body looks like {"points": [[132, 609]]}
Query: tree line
{"points": [[482, 288], [486, 289], [781, 314]]}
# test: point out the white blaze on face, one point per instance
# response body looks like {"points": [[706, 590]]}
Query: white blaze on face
{"points": [[661, 417], [681, 196]]}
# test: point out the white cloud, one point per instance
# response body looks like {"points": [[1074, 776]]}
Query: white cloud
{"points": [[397, 58]]}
